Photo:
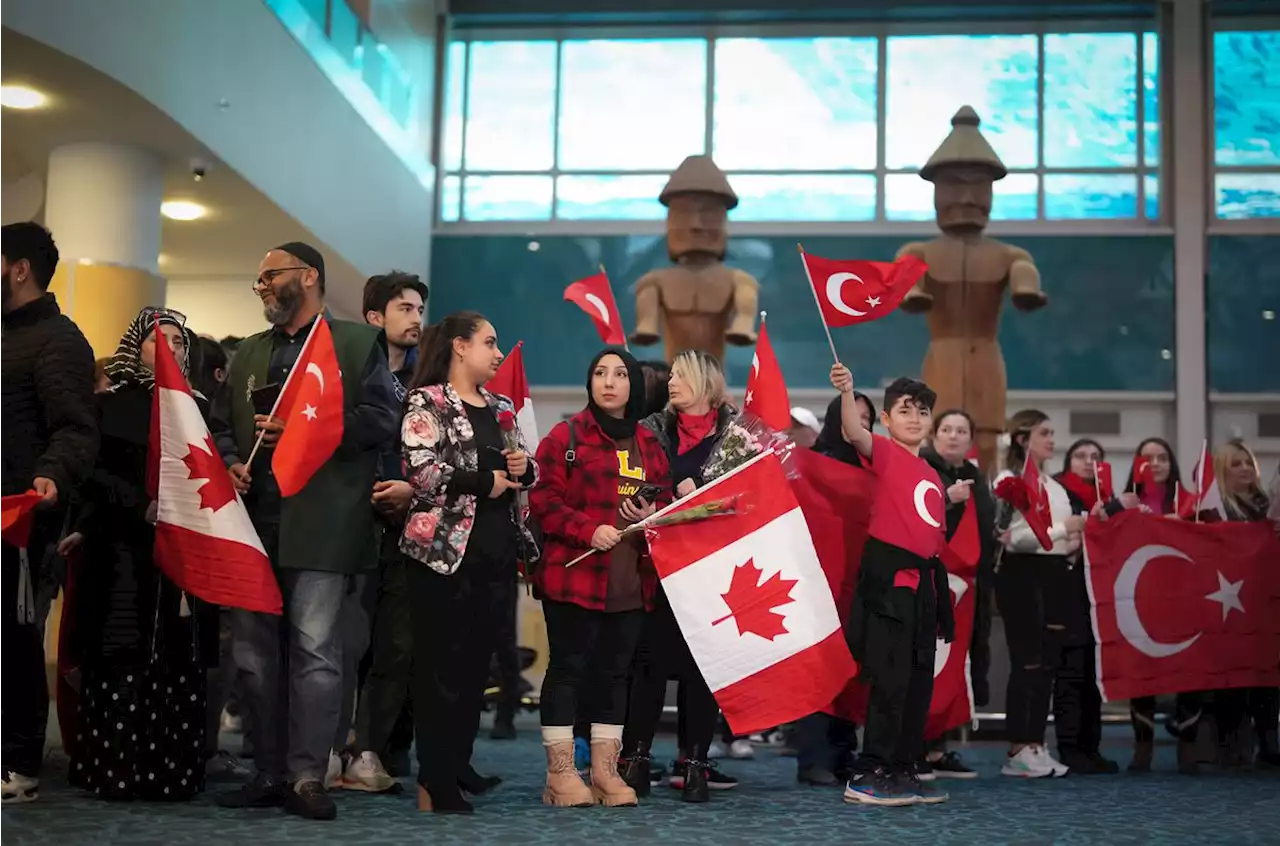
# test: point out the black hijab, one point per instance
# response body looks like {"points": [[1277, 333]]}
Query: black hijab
{"points": [[620, 428], [831, 442]]}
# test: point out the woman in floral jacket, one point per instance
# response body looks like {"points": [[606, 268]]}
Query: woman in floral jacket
{"points": [[465, 460]]}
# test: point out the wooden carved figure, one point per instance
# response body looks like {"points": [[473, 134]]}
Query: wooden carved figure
{"points": [[698, 303], [964, 288]]}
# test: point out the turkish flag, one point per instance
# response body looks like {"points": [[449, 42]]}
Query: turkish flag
{"points": [[1181, 606], [594, 295], [752, 599], [17, 513], [511, 382], [205, 541], [952, 702], [857, 291], [766, 389], [1141, 473], [311, 407], [1039, 518], [1106, 485], [1208, 495]]}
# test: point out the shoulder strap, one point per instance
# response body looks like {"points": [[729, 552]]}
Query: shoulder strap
{"points": [[571, 454]]}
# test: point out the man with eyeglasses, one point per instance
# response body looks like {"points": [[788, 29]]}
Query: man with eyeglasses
{"points": [[318, 539]]}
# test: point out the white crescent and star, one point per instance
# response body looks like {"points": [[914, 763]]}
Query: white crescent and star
{"points": [[599, 306], [835, 282], [313, 369], [922, 507], [959, 587]]}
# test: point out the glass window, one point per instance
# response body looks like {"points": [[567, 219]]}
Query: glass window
{"points": [[451, 199], [1246, 84], [632, 105], [1151, 98], [455, 73], [795, 103], [908, 197], [1151, 196], [511, 93], [1091, 99], [1090, 196], [1245, 195], [930, 77], [609, 197], [818, 197], [506, 198]]}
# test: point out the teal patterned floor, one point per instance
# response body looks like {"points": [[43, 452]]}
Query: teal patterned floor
{"points": [[1161, 808]]}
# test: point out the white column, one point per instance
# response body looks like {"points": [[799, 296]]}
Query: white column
{"points": [[1188, 171], [102, 204]]}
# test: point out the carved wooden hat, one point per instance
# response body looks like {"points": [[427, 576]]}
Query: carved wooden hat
{"points": [[964, 146], [699, 175]]}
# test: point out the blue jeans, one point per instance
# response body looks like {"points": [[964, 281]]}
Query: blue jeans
{"points": [[292, 673]]}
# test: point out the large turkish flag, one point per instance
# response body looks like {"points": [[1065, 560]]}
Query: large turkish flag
{"points": [[1181, 606]]}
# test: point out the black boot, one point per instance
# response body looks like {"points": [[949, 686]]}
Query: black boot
{"points": [[634, 767], [443, 799], [475, 784], [696, 770]]}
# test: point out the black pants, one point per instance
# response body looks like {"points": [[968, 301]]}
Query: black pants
{"points": [[590, 651], [1187, 709], [1077, 704], [1027, 590], [507, 657], [1260, 704], [825, 742], [385, 690], [455, 621], [662, 654], [26, 690]]}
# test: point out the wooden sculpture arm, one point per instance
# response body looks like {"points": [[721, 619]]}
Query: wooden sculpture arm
{"points": [[1024, 282], [917, 300], [648, 311], [746, 299]]}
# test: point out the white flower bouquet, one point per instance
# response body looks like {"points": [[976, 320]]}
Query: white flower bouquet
{"points": [[744, 438]]}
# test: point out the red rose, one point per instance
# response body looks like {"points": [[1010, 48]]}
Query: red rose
{"points": [[506, 421], [1013, 490]]}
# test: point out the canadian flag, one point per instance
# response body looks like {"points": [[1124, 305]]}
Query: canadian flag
{"points": [[205, 541], [856, 291], [1208, 496], [594, 295], [311, 406], [952, 702], [766, 389], [752, 599], [510, 381]]}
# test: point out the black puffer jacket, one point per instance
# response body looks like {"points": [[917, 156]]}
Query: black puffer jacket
{"points": [[980, 646]]}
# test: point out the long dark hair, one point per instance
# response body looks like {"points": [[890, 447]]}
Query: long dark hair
{"points": [[435, 348], [1021, 425], [1071, 450], [1175, 474], [656, 375]]}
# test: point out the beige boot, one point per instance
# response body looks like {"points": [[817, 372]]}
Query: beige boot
{"points": [[606, 785], [565, 788]]}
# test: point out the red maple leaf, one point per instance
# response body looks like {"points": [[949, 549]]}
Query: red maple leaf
{"points": [[203, 462], [751, 604]]}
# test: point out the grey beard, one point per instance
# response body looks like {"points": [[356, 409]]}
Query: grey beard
{"points": [[285, 309]]}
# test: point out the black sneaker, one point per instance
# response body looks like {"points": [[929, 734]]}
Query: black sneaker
{"points": [[921, 793], [923, 771], [262, 792], [637, 771], [308, 799], [950, 765], [877, 788], [697, 787], [716, 780]]}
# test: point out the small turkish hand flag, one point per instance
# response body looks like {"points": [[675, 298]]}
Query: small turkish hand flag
{"points": [[857, 291], [594, 295], [1208, 495], [1182, 606], [1142, 476], [766, 391], [311, 407], [1106, 487]]}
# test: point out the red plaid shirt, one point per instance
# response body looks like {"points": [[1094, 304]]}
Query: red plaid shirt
{"points": [[570, 506]]}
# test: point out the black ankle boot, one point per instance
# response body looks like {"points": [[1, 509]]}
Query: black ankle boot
{"points": [[476, 784], [695, 778], [443, 799], [635, 768]]}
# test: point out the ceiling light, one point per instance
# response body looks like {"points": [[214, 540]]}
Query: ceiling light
{"points": [[182, 210], [21, 97]]}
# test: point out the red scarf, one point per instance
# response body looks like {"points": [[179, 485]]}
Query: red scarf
{"points": [[1082, 488], [693, 429]]}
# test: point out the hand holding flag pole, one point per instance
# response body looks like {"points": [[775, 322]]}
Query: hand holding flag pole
{"points": [[813, 289], [284, 389]]}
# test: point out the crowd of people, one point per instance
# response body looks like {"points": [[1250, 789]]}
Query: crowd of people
{"points": [[400, 562]]}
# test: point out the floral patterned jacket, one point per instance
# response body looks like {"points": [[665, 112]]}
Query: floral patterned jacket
{"points": [[438, 441]]}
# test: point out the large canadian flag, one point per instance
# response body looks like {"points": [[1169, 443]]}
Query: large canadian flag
{"points": [[766, 390], [752, 599], [1181, 606], [856, 291], [511, 382], [205, 541]]}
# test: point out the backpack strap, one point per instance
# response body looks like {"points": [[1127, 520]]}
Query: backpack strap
{"points": [[571, 454]]}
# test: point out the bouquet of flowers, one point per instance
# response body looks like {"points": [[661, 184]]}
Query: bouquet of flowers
{"points": [[745, 438], [1013, 490]]}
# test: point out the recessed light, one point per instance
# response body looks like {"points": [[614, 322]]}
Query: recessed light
{"points": [[182, 210], [21, 97], [1268, 314], [162, 259]]}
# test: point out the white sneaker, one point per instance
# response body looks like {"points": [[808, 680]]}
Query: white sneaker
{"points": [[334, 774], [365, 772], [741, 749], [1027, 764], [1059, 769], [716, 751], [19, 788]]}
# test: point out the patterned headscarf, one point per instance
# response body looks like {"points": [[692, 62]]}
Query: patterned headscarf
{"points": [[125, 369]]}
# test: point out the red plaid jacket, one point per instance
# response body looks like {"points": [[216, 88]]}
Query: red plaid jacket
{"points": [[569, 505]]}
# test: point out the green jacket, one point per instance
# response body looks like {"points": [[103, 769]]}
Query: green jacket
{"points": [[329, 525]]}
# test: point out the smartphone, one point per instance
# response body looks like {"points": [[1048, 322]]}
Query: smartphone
{"points": [[649, 493], [264, 398]]}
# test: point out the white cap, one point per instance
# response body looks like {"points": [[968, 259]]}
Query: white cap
{"points": [[806, 418]]}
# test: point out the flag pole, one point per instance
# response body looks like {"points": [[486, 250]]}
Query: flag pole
{"points": [[813, 290], [1097, 483], [605, 274], [306, 345], [1204, 456]]}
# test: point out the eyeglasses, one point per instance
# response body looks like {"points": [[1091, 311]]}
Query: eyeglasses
{"points": [[150, 313], [265, 278]]}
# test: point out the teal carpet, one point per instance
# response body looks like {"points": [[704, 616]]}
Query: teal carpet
{"points": [[768, 808]]}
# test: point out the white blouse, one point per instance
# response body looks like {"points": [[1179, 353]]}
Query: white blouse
{"points": [[1022, 539]]}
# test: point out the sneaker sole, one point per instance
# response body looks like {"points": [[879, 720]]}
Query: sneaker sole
{"points": [[853, 797], [350, 784], [678, 784], [933, 800], [21, 798], [954, 774], [1005, 771]]}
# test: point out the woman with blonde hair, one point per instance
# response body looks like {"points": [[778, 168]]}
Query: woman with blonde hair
{"points": [[690, 430]]}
